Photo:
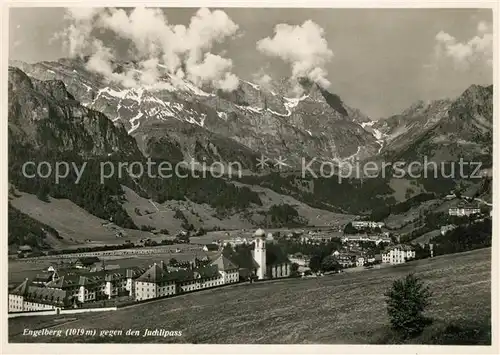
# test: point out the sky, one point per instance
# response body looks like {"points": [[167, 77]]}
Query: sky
{"points": [[380, 61]]}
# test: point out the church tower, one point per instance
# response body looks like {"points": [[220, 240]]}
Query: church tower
{"points": [[259, 253]]}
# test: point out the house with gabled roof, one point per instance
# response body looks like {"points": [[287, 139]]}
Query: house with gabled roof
{"points": [[159, 281], [154, 282], [229, 271], [30, 297], [92, 286], [200, 278]]}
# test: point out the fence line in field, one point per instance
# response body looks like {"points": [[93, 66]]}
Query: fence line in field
{"points": [[60, 311], [141, 251]]}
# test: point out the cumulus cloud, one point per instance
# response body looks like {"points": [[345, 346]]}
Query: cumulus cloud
{"points": [[143, 26], [101, 62], [303, 47], [77, 36], [214, 69], [478, 49], [182, 51]]}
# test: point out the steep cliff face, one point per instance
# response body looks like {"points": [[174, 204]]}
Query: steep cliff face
{"points": [[47, 124], [44, 115], [400, 130]]}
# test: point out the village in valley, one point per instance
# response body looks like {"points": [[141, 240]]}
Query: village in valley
{"points": [[250, 175], [95, 279]]}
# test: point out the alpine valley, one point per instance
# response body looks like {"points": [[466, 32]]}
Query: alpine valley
{"points": [[60, 111]]}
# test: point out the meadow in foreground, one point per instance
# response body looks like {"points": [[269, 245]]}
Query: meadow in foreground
{"points": [[346, 308]]}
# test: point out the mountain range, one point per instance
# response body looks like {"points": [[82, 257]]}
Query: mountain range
{"points": [[61, 109], [249, 120]]}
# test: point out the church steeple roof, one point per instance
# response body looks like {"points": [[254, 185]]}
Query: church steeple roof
{"points": [[259, 233]]}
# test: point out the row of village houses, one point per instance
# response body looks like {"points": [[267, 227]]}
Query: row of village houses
{"points": [[395, 254], [52, 291], [311, 237]]}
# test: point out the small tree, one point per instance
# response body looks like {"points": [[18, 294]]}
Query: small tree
{"points": [[172, 262], [349, 229], [406, 302], [329, 263], [294, 270], [315, 263]]}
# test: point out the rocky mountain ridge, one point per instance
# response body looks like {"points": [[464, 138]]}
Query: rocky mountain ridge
{"points": [[442, 130], [257, 119]]}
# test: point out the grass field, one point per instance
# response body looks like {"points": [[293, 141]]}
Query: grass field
{"points": [[346, 308]]}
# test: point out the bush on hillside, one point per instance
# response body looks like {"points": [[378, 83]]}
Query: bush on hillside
{"points": [[406, 302]]}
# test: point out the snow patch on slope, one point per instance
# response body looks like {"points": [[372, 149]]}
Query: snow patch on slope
{"points": [[255, 86], [379, 136], [280, 114], [351, 157], [87, 87], [250, 108], [134, 121], [291, 103]]}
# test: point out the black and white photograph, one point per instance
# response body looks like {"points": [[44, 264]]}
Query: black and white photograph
{"points": [[250, 175]]}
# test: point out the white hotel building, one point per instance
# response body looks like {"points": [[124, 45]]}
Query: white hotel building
{"points": [[398, 254]]}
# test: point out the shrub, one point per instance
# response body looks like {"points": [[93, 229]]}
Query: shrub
{"points": [[146, 228], [406, 302], [329, 263]]}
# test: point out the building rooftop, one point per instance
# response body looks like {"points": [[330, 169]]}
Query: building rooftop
{"points": [[46, 295], [25, 248], [40, 294], [224, 264], [44, 277], [212, 247], [88, 260], [75, 278], [400, 247], [155, 274], [20, 290]]}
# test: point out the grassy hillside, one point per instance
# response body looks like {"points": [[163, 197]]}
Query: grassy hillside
{"points": [[340, 309], [76, 227], [142, 211]]}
